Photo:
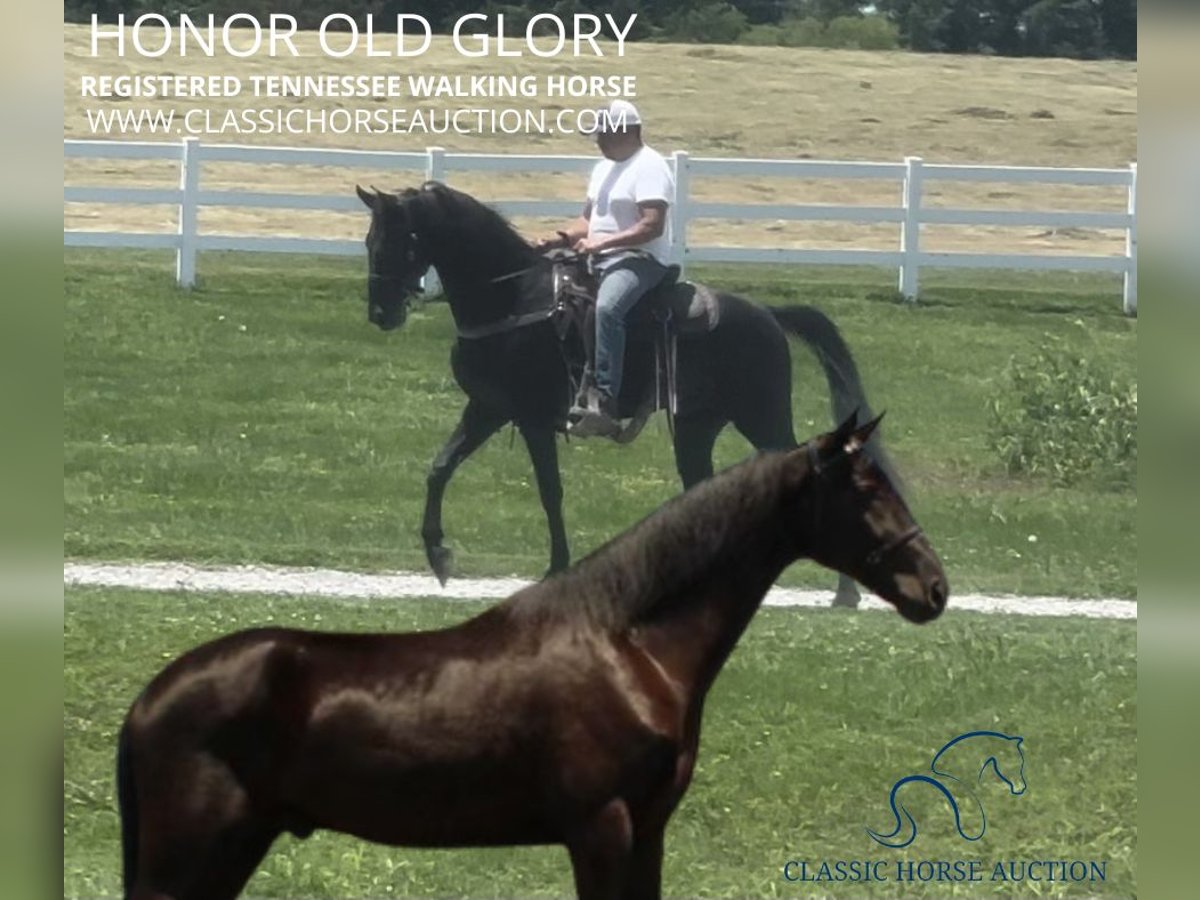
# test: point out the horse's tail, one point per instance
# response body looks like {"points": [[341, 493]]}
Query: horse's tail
{"points": [[128, 808], [902, 835], [905, 831], [846, 392]]}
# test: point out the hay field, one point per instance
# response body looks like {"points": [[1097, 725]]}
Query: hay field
{"points": [[709, 100]]}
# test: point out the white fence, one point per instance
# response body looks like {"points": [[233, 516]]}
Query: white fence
{"points": [[435, 163]]}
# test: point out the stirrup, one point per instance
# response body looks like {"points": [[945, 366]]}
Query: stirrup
{"points": [[593, 423]]}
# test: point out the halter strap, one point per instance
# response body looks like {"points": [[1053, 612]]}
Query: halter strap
{"points": [[876, 556]]}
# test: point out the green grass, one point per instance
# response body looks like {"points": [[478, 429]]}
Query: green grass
{"points": [[260, 419], [814, 717]]}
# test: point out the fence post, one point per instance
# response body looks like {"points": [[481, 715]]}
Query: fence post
{"points": [[910, 229], [189, 184], [1131, 255], [679, 209], [435, 170]]}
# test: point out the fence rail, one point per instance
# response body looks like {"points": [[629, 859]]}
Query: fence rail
{"points": [[910, 215]]}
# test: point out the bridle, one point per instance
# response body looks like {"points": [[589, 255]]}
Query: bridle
{"points": [[407, 282], [884, 550], [876, 556]]}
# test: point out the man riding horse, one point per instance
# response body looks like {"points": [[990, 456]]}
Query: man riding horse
{"points": [[625, 224]]}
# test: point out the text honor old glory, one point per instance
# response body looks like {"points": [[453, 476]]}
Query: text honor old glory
{"points": [[243, 35]]}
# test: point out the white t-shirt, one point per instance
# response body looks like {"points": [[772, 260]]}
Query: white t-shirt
{"points": [[616, 188]]}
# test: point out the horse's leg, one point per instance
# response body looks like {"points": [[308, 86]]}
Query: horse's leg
{"points": [[198, 836], [543, 452], [204, 867], [236, 856], [600, 853], [847, 592], [645, 864], [476, 425], [694, 439], [650, 822], [774, 432]]}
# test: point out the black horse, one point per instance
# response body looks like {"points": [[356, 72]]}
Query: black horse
{"points": [[510, 361]]}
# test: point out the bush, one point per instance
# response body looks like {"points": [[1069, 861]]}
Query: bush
{"points": [[862, 33], [805, 32], [712, 23], [842, 33], [762, 36], [1066, 419]]}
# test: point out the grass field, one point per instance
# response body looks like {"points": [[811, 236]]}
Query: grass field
{"points": [[730, 102], [815, 716], [260, 419]]}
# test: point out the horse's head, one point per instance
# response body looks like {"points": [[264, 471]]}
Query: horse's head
{"points": [[1008, 763], [396, 261], [860, 525], [972, 755]]}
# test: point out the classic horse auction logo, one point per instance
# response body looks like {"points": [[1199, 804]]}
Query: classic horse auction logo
{"points": [[969, 755]]}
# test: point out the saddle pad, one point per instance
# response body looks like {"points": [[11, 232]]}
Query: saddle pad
{"points": [[694, 308]]}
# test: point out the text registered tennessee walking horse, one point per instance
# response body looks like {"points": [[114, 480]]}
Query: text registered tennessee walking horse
{"points": [[568, 714], [510, 362]]}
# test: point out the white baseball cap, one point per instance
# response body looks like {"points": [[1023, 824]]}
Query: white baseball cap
{"points": [[617, 115]]}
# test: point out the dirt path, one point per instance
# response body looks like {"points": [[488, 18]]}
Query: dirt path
{"points": [[176, 576]]}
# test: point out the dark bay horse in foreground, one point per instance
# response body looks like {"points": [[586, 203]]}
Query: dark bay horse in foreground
{"points": [[568, 714], [510, 361]]}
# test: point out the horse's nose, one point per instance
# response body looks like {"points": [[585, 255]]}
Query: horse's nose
{"points": [[938, 594], [374, 313]]}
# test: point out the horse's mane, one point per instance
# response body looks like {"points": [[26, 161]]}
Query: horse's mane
{"points": [[643, 571], [460, 222]]}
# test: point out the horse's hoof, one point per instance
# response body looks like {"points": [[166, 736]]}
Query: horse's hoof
{"points": [[846, 600], [440, 559]]}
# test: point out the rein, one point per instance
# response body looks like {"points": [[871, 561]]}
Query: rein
{"points": [[876, 556], [508, 323], [511, 275]]}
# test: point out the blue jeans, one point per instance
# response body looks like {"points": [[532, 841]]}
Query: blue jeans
{"points": [[623, 282]]}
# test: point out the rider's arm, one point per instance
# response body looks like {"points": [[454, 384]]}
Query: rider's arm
{"points": [[651, 224]]}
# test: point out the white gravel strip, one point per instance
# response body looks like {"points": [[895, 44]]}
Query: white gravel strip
{"points": [[176, 576]]}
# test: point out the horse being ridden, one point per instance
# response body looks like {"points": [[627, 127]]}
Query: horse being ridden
{"points": [[510, 362], [568, 714]]}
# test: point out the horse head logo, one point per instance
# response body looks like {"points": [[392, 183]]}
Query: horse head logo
{"points": [[956, 771]]}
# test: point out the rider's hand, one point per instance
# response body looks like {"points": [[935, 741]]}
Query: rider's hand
{"points": [[541, 245], [589, 245]]}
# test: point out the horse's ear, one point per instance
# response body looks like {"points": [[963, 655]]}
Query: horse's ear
{"points": [[371, 200], [828, 448], [842, 434], [862, 434]]}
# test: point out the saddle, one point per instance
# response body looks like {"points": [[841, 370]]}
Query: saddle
{"points": [[672, 311], [687, 309]]}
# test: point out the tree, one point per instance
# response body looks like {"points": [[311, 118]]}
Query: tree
{"points": [[1118, 20], [918, 20], [1064, 28]]}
